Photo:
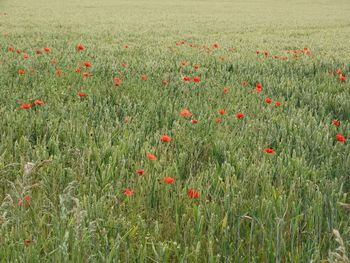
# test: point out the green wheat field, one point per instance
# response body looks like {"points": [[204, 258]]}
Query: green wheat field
{"points": [[174, 131]]}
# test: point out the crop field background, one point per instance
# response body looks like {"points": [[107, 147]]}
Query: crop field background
{"points": [[174, 131]]}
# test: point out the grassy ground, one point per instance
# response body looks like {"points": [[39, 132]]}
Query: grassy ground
{"points": [[75, 181]]}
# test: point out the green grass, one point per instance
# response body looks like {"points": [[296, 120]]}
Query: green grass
{"points": [[252, 206]]}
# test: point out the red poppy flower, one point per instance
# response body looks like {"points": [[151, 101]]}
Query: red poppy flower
{"points": [[124, 65], [194, 121], [128, 192], [18, 51], [53, 61], [165, 82], [339, 72], [28, 242], [77, 70], [222, 112], [226, 90], [81, 94], [11, 49], [165, 138], [87, 64], [151, 157], [216, 45], [38, 102], [47, 50], [185, 113], [193, 194], [257, 52], [342, 78], [38, 52], [336, 123], [143, 77], [244, 83], [275, 57], [258, 88], [196, 80], [340, 138], [26, 106], [86, 74], [217, 120], [268, 100], [21, 72], [278, 104], [25, 56], [196, 67], [269, 151], [80, 47], [186, 79], [140, 172], [240, 116], [266, 53], [169, 180], [126, 46]]}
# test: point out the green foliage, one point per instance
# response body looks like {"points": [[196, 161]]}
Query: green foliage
{"points": [[74, 157]]}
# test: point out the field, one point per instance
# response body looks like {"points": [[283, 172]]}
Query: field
{"points": [[174, 131]]}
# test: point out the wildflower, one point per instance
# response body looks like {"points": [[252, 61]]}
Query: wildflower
{"points": [[342, 78], [80, 47], [258, 88], [244, 83], [268, 100], [186, 79], [278, 104], [196, 80], [240, 116], [269, 151], [151, 157], [47, 50], [216, 45], [81, 94], [165, 138], [226, 90], [169, 180], [144, 77], [194, 121], [196, 67], [140, 172], [222, 112], [21, 72], [336, 123], [128, 192], [38, 102], [26, 106], [87, 64], [193, 194], [86, 74], [28, 242], [185, 113], [340, 138]]}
